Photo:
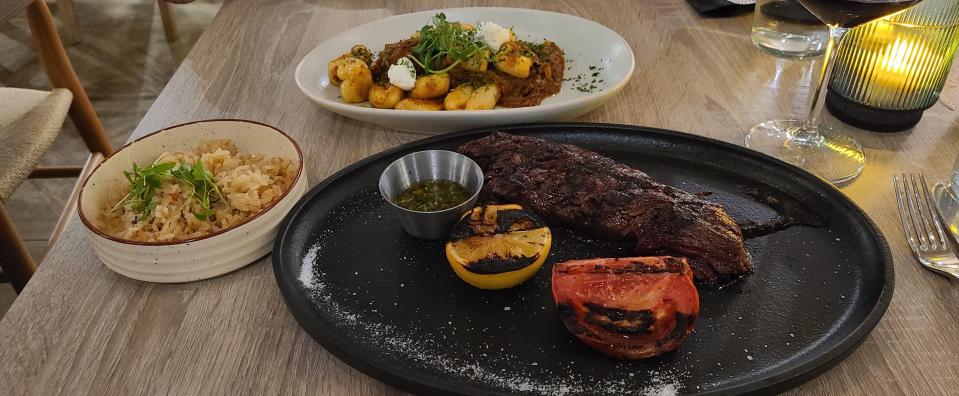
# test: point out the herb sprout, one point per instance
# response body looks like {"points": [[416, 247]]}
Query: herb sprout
{"points": [[205, 190], [441, 38], [143, 184], [145, 181]]}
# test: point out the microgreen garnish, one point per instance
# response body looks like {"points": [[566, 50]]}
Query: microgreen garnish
{"points": [[440, 39], [205, 190], [145, 181], [143, 184]]}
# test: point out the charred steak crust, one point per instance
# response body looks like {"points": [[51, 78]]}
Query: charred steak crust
{"points": [[574, 187]]}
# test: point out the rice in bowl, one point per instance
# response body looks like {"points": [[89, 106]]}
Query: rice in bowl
{"points": [[247, 184]]}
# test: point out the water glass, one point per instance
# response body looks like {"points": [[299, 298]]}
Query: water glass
{"points": [[786, 29]]}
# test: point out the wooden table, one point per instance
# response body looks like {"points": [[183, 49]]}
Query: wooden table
{"points": [[80, 328]]}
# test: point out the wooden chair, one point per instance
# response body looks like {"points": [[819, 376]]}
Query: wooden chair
{"points": [[30, 120], [166, 16], [69, 27]]}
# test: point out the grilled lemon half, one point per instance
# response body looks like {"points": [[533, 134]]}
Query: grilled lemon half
{"points": [[498, 246]]}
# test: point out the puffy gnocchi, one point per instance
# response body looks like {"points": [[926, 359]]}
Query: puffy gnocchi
{"points": [[479, 62], [431, 86], [457, 98], [358, 51], [356, 80], [419, 104], [351, 72], [513, 59], [385, 96], [468, 97], [484, 98]]}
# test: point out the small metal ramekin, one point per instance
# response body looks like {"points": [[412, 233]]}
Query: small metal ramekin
{"points": [[430, 165]]}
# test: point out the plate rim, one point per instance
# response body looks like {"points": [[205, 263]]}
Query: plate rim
{"points": [[572, 103], [415, 381]]}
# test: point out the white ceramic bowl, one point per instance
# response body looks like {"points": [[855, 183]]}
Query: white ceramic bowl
{"points": [[198, 258], [585, 43]]}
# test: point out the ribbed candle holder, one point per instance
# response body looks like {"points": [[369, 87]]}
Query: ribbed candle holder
{"points": [[889, 71]]}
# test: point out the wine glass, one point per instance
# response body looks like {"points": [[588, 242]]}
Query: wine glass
{"points": [[808, 143]]}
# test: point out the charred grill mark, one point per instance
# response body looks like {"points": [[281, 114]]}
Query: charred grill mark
{"points": [[497, 265], [672, 265], [465, 227], [619, 320], [684, 324], [460, 231], [568, 315], [507, 220], [517, 220]]}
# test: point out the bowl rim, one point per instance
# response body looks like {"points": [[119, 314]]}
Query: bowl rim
{"points": [[90, 226], [473, 196], [498, 111]]}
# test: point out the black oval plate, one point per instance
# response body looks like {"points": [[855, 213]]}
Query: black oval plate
{"points": [[389, 304]]}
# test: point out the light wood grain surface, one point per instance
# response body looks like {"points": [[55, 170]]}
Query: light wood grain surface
{"points": [[80, 328]]}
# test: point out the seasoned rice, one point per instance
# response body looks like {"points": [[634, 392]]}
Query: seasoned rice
{"points": [[249, 183]]}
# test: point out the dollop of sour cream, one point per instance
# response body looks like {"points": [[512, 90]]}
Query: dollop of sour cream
{"points": [[493, 35], [402, 74]]}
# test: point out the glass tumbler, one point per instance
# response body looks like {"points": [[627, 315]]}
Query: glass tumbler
{"points": [[785, 28]]}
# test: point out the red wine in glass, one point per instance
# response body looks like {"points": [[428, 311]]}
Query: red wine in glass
{"points": [[850, 13]]}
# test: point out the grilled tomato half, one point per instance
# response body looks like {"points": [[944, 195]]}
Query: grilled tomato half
{"points": [[498, 246], [629, 308]]}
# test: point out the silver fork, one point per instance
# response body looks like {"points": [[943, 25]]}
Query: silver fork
{"points": [[924, 230]]}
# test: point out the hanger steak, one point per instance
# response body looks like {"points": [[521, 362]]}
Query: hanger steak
{"points": [[577, 188]]}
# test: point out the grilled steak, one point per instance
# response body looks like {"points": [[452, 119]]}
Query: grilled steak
{"points": [[571, 186]]}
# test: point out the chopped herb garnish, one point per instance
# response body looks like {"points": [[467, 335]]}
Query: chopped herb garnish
{"points": [[534, 48], [432, 195], [441, 39]]}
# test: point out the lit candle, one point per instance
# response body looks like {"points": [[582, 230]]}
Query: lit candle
{"points": [[890, 70], [904, 66]]}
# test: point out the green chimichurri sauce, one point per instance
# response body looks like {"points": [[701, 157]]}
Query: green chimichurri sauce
{"points": [[432, 195]]}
